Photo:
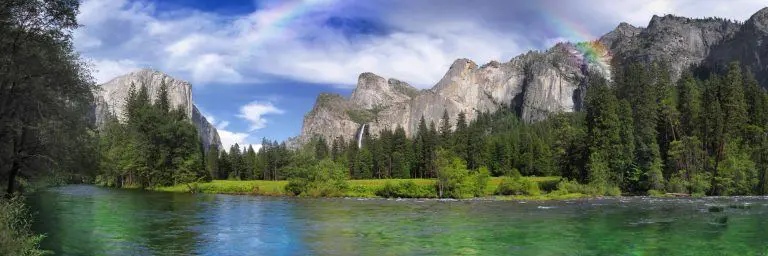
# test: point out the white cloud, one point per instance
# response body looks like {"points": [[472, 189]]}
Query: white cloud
{"points": [[289, 39], [105, 70], [229, 138], [255, 111]]}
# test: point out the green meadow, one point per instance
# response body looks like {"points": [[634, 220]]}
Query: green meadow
{"points": [[365, 188]]}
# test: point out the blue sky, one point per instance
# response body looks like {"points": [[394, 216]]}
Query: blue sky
{"points": [[257, 66]]}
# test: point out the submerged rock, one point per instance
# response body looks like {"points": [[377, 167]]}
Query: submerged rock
{"points": [[716, 208]]}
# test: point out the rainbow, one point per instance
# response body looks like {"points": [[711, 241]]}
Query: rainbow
{"points": [[589, 50], [270, 23]]}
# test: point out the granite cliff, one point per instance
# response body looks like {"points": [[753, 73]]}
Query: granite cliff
{"points": [[539, 83], [111, 96]]}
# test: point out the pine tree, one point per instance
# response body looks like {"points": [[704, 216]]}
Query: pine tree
{"points": [[603, 130], [236, 162], [445, 128], [163, 103], [732, 101], [337, 149], [756, 100], [460, 136], [713, 129], [321, 148], [224, 164], [689, 104], [422, 154], [250, 164]]}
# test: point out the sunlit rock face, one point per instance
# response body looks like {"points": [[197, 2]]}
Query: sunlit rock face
{"points": [[111, 97], [539, 83]]}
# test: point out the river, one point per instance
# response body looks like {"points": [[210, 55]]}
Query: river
{"points": [[90, 220]]}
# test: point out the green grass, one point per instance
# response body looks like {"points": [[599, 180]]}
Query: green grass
{"points": [[251, 187], [357, 188]]}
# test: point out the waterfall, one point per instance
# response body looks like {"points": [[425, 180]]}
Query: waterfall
{"points": [[360, 136]]}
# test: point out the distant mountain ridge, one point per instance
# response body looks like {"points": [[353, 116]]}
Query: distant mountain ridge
{"points": [[536, 84], [111, 97]]}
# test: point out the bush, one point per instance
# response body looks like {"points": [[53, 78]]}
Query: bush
{"points": [[572, 186], [455, 181], [518, 186], [478, 181], [406, 189], [324, 179], [15, 235], [548, 185], [297, 186], [655, 193]]}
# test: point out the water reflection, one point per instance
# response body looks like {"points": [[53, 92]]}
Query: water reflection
{"points": [[86, 220]]}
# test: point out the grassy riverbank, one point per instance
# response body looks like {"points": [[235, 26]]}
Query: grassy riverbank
{"points": [[364, 188]]}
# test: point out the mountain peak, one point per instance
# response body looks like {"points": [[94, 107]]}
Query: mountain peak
{"points": [[463, 63], [111, 99], [759, 20], [375, 91]]}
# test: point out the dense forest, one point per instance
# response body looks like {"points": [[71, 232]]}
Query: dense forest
{"points": [[641, 133]]}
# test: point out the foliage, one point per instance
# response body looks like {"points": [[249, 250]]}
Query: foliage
{"points": [[517, 186], [361, 116], [15, 235], [45, 94], [455, 181], [571, 187], [326, 178], [406, 189], [155, 146], [636, 133]]}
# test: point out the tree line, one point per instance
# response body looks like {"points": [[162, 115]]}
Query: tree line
{"points": [[641, 132]]}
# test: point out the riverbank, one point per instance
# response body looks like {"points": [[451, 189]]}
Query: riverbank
{"points": [[365, 188]]}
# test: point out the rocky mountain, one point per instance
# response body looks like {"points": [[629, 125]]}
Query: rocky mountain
{"points": [[539, 83], [111, 98], [749, 45]]}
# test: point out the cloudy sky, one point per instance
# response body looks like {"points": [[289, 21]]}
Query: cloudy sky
{"points": [[257, 66]]}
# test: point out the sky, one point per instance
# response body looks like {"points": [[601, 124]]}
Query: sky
{"points": [[257, 66]]}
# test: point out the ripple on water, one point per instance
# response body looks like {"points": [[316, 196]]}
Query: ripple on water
{"points": [[91, 220]]}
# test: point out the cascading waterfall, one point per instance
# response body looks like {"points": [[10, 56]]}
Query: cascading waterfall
{"points": [[360, 136]]}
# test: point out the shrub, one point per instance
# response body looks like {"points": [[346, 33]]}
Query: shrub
{"points": [[548, 185], [455, 181], [297, 186], [515, 173], [15, 235], [655, 193], [324, 179], [477, 181], [518, 186], [406, 189], [594, 189], [677, 184]]}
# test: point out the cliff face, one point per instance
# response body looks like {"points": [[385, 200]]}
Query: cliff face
{"points": [[111, 98], [538, 84], [749, 46], [681, 42]]}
